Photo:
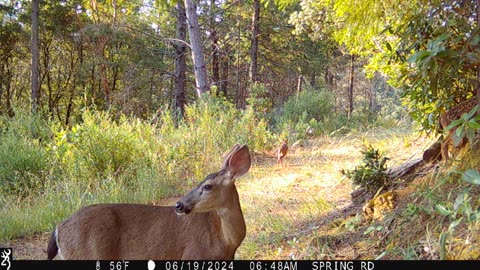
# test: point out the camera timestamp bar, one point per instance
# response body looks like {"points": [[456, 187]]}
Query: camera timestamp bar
{"points": [[241, 265]]}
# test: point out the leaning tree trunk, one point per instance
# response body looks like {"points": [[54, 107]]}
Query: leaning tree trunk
{"points": [[35, 86], [350, 88], [180, 60], [199, 66]]}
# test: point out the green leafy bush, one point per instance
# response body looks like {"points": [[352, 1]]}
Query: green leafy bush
{"points": [[317, 105], [259, 100], [466, 126], [372, 173], [101, 148], [23, 158], [309, 109], [23, 164]]}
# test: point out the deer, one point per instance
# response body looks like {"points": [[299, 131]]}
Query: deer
{"points": [[282, 152], [206, 224], [448, 117]]}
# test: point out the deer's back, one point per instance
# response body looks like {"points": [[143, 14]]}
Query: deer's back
{"points": [[132, 231]]}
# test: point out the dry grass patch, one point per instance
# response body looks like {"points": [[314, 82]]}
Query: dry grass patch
{"points": [[303, 210]]}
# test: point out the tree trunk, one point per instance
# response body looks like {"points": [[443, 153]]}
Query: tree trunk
{"points": [[104, 81], [215, 49], [225, 70], [253, 74], [197, 52], [299, 83], [35, 83], [478, 68], [350, 88], [329, 78], [48, 93], [180, 60], [6, 83], [313, 79], [215, 60]]}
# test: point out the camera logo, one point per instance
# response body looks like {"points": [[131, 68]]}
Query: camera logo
{"points": [[6, 257]]}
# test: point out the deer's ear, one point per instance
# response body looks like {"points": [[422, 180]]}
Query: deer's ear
{"points": [[229, 155], [239, 162]]}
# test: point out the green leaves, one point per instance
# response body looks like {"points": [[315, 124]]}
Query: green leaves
{"points": [[442, 210], [466, 126], [418, 56], [443, 243], [372, 173], [442, 51], [471, 176], [373, 229], [434, 47]]}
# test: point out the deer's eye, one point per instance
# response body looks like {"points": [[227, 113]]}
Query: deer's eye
{"points": [[208, 187]]}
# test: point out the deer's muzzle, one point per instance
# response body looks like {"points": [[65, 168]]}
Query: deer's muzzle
{"points": [[181, 209]]}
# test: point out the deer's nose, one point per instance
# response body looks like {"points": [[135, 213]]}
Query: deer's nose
{"points": [[179, 207]]}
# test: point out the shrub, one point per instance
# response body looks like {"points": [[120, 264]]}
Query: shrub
{"points": [[23, 159], [23, 164], [259, 101], [308, 109], [317, 105], [101, 148], [372, 173]]}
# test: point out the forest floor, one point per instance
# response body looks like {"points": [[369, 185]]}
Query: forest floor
{"points": [[303, 209]]}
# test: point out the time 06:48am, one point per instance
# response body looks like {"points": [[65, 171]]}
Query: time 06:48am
{"points": [[273, 265]]}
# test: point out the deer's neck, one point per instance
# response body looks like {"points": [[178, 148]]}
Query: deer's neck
{"points": [[232, 224]]}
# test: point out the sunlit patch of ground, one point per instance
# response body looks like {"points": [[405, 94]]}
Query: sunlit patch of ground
{"points": [[302, 210]]}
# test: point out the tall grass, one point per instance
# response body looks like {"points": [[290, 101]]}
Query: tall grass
{"points": [[107, 160]]}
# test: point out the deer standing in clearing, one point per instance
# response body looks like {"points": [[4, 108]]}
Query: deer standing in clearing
{"points": [[206, 224], [282, 152]]}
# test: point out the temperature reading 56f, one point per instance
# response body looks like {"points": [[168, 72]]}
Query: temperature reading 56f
{"points": [[120, 265]]}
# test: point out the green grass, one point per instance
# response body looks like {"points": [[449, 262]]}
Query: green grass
{"points": [[41, 213]]}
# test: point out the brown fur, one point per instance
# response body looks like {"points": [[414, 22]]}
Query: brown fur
{"points": [[211, 229], [282, 151]]}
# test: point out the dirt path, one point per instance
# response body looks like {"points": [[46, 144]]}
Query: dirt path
{"points": [[30, 248]]}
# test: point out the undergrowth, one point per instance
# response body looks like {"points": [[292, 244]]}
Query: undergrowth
{"points": [[437, 218], [48, 171], [442, 215]]}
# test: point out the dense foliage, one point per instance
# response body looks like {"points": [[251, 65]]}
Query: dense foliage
{"points": [[372, 173]]}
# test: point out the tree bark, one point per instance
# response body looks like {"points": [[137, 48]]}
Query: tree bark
{"points": [[478, 68], [225, 71], [197, 51], [350, 88], [253, 73], [180, 60], [299, 83], [35, 83], [215, 49]]}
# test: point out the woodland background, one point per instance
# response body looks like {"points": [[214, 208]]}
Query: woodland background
{"points": [[165, 87]]}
